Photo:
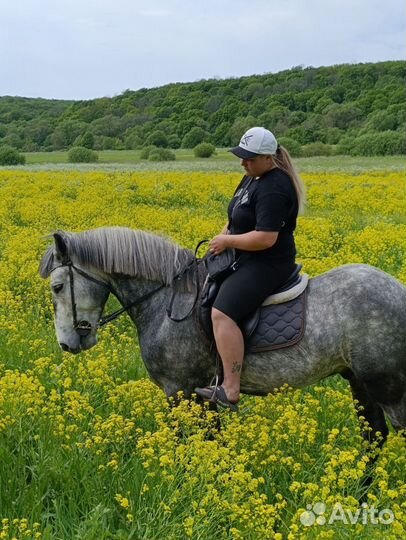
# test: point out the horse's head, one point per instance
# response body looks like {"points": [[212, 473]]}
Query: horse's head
{"points": [[78, 295]]}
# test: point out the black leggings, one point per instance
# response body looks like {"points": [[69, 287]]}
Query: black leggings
{"points": [[244, 290]]}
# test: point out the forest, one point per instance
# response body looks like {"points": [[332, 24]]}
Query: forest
{"points": [[357, 109]]}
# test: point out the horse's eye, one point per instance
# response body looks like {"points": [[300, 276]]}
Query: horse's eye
{"points": [[57, 288]]}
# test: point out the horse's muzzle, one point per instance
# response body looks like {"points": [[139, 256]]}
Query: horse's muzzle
{"points": [[83, 328], [66, 348]]}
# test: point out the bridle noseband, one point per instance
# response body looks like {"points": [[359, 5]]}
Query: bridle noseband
{"points": [[83, 327]]}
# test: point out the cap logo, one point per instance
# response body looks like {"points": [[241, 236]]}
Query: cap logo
{"points": [[245, 139]]}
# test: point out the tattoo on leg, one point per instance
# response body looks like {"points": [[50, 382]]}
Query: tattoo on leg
{"points": [[236, 367]]}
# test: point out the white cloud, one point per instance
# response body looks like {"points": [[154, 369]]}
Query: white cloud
{"points": [[155, 13], [88, 48]]}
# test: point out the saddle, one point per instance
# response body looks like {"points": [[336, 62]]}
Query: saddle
{"points": [[278, 322]]}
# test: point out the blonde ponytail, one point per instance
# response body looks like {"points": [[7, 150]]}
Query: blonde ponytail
{"points": [[284, 162]]}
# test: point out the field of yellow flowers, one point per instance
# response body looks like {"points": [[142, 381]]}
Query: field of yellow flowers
{"points": [[89, 447]]}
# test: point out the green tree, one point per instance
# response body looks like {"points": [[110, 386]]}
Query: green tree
{"points": [[132, 141], [345, 145], [86, 139], [292, 146], [11, 156], [380, 144], [253, 90], [382, 121], [146, 151], [222, 135], [174, 141], [161, 154], [204, 150], [342, 116], [36, 132], [65, 133], [80, 154], [195, 136], [13, 139], [316, 149], [332, 135], [157, 138], [305, 104], [273, 116], [109, 125]]}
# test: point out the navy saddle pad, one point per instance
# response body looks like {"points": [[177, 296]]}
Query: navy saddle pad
{"points": [[279, 325]]}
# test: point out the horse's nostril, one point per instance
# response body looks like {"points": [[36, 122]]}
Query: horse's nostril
{"points": [[68, 349]]}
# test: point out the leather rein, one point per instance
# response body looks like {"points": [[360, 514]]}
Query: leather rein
{"points": [[83, 327]]}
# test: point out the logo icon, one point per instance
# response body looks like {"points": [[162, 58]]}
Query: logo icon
{"points": [[244, 198], [313, 514], [245, 139]]}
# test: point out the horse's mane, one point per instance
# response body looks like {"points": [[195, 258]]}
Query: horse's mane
{"points": [[119, 250]]}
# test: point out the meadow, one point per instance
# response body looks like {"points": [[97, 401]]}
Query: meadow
{"points": [[222, 160], [90, 448]]}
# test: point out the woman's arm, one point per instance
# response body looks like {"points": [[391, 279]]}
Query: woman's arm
{"points": [[250, 241]]}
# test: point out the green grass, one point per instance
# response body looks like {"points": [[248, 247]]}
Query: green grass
{"points": [[223, 161], [120, 156]]}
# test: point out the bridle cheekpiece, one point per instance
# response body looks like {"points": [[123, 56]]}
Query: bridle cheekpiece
{"points": [[83, 327]]}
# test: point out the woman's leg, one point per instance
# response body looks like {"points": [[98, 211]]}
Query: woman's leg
{"points": [[239, 295], [230, 346]]}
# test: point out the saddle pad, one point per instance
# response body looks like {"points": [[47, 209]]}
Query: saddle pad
{"points": [[279, 325]]}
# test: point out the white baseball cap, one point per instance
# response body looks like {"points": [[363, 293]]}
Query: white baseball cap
{"points": [[256, 141]]}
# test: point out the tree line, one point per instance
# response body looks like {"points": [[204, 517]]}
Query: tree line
{"points": [[349, 109]]}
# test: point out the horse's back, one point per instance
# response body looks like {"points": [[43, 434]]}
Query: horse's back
{"points": [[360, 285], [370, 307]]}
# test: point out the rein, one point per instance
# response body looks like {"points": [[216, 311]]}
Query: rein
{"points": [[83, 327], [193, 264]]}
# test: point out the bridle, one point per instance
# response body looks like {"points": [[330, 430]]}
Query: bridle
{"points": [[83, 327]]}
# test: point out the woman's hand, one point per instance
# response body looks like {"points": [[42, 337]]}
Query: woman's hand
{"points": [[219, 243]]}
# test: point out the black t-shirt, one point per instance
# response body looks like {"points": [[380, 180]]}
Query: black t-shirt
{"points": [[268, 203]]}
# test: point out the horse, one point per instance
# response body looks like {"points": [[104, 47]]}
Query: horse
{"points": [[355, 321]]}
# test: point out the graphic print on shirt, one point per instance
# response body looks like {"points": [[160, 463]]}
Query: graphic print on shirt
{"points": [[242, 195], [244, 198], [267, 204]]}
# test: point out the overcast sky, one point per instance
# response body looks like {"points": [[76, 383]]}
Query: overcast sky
{"points": [[81, 49]]}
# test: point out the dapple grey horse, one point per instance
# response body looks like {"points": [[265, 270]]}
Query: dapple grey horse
{"points": [[356, 321]]}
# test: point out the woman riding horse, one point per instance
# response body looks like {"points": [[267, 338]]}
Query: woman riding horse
{"points": [[261, 222]]}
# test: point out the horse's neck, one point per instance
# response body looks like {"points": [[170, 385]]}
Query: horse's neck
{"points": [[148, 312], [128, 289], [153, 311]]}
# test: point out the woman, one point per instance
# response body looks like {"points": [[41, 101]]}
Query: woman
{"points": [[261, 221]]}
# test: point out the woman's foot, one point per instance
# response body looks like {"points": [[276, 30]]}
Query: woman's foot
{"points": [[232, 395], [217, 394]]}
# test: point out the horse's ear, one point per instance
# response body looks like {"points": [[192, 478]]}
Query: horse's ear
{"points": [[61, 247]]}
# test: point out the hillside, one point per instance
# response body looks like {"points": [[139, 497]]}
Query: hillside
{"points": [[360, 109]]}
